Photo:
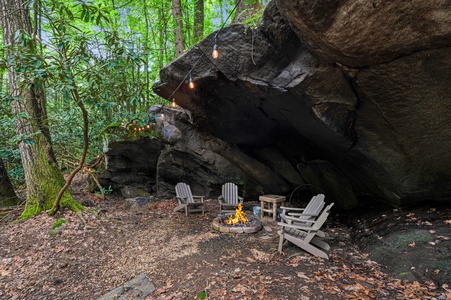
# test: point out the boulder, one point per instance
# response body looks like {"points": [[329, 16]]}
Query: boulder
{"points": [[131, 166], [364, 87], [366, 33], [7, 194]]}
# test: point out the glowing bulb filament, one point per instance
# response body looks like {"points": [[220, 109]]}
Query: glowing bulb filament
{"points": [[191, 83], [215, 53]]}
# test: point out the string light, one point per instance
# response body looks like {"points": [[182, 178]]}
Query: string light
{"points": [[191, 83], [215, 53]]}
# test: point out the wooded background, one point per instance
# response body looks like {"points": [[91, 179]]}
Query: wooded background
{"points": [[77, 74]]}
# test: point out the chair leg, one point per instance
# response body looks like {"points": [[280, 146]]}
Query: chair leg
{"points": [[320, 243], [307, 247], [280, 240]]}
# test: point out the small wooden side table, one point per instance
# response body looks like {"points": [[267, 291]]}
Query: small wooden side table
{"points": [[272, 201]]}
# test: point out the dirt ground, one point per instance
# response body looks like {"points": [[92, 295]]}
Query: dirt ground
{"points": [[119, 239]]}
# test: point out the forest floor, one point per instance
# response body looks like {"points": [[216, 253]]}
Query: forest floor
{"points": [[119, 239]]}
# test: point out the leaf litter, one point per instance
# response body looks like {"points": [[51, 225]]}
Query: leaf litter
{"points": [[184, 258]]}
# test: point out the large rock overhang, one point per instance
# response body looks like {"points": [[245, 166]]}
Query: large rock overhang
{"points": [[275, 87]]}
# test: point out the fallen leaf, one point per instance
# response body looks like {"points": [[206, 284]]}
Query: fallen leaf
{"points": [[412, 245]]}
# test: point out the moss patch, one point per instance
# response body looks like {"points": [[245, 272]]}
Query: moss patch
{"points": [[59, 225]]}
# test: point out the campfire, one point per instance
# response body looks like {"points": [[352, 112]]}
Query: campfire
{"points": [[237, 223], [239, 218]]}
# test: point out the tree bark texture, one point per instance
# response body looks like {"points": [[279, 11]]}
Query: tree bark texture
{"points": [[178, 27], [198, 31], [42, 174]]}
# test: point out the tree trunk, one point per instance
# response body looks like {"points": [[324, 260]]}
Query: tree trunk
{"points": [[42, 175], [198, 31], [246, 9], [178, 29], [7, 195]]}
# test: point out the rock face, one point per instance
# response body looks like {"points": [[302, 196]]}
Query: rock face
{"points": [[144, 166], [131, 167], [353, 97], [7, 194]]}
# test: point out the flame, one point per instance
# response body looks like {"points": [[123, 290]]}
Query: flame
{"points": [[240, 217]]}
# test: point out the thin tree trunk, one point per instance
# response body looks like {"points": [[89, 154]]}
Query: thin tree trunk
{"points": [[198, 31], [178, 29], [146, 50], [81, 162], [42, 174]]}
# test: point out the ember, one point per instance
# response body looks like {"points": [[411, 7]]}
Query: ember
{"points": [[239, 218]]}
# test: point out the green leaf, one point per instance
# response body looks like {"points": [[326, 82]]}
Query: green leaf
{"points": [[202, 295], [23, 115], [28, 142]]}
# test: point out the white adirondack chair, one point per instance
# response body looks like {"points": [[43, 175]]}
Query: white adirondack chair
{"points": [[187, 201], [311, 211], [305, 236], [229, 198]]}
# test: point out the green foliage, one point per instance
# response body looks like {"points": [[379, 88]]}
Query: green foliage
{"points": [[100, 53], [105, 191], [255, 20], [9, 151], [202, 295]]}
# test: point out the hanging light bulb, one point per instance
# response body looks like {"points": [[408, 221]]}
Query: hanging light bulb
{"points": [[191, 83], [173, 102], [215, 53]]}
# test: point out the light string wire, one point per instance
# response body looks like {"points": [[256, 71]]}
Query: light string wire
{"points": [[203, 52]]}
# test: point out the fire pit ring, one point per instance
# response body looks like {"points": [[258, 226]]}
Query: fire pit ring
{"points": [[252, 226]]}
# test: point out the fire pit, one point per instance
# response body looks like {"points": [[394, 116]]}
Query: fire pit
{"points": [[237, 223]]}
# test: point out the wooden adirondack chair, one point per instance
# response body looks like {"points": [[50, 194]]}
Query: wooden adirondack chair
{"points": [[186, 199], [305, 236], [311, 211], [229, 198]]}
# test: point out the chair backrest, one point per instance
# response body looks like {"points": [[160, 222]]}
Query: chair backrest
{"points": [[184, 191], [314, 207], [322, 218], [230, 193]]}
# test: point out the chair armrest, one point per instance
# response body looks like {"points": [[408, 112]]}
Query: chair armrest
{"points": [[292, 208], [294, 219], [299, 227], [181, 200], [301, 214]]}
